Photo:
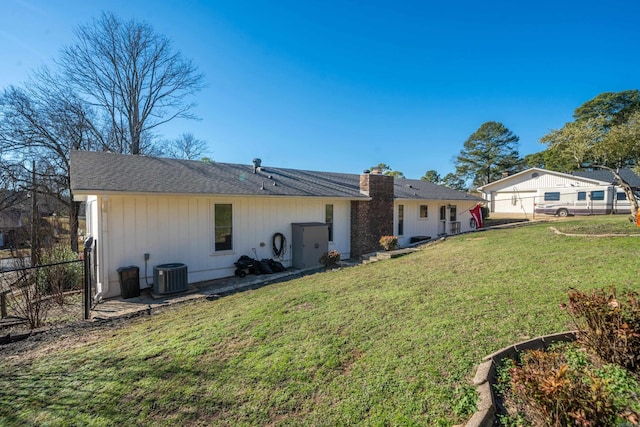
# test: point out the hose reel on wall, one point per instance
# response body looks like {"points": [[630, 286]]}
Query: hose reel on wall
{"points": [[279, 245]]}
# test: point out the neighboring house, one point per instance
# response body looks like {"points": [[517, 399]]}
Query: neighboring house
{"points": [[207, 214], [521, 192], [10, 223]]}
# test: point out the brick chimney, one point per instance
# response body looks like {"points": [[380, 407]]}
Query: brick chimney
{"points": [[372, 219]]}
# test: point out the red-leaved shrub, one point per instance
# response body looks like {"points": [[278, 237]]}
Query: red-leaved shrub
{"points": [[608, 325]]}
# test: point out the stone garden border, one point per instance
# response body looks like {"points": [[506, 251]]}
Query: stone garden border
{"points": [[485, 376]]}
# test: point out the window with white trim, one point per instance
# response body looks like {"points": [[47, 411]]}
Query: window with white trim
{"points": [[223, 227], [424, 212]]}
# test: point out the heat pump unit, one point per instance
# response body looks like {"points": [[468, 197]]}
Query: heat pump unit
{"points": [[170, 278]]}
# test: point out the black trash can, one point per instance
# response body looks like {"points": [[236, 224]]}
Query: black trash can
{"points": [[129, 281]]}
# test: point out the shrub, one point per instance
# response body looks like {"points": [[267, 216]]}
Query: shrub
{"points": [[591, 382], [389, 243], [548, 391], [608, 325], [29, 299], [57, 279], [330, 259]]}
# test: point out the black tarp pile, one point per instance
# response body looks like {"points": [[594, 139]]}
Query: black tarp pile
{"points": [[247, 265]]}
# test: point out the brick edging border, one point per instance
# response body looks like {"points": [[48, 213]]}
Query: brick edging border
{"points": [[484, 378]]}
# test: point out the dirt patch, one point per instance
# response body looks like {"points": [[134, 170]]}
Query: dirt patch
{"points": [[65, 329]]}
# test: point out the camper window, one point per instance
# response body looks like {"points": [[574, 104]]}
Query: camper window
{"points": [[582, 195], [597, 195], [621, 196], [552, 196]]}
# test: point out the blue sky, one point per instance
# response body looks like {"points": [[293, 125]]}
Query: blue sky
{"points": [[344, 85]]}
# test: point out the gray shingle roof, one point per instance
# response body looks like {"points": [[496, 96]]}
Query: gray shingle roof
{"points": [[425, 190], [604, 175], [104, 173]]}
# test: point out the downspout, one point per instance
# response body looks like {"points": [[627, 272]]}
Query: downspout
{"points": [[102, 233]]}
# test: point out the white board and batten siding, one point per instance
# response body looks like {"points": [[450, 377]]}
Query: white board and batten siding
{"points": [[180, 229]]}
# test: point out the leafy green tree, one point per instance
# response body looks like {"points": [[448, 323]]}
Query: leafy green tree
{"points": [[395, 174], [453, 181], [614, 107], [605, 134], [431, 176], [385, 169], [587, 139], [487, 153], [535, 160]]}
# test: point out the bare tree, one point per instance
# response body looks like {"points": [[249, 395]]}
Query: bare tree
{"points": [[114, 87], [43, 124], [10, 193], [131, 75], [186, 147]]}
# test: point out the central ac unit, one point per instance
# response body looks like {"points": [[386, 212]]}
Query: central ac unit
{"points": [[170, 278]]}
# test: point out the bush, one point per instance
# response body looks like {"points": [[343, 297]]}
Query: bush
{"points": [[591, 382], [56, 279], [389, 243], [548, 391], [608, 325], [330, 259], [29, 299]]}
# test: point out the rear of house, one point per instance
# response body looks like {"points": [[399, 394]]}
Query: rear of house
{"points": [[207, 215]]}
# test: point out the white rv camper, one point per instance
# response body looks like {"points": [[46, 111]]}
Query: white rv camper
{"points": [[570, 200]]}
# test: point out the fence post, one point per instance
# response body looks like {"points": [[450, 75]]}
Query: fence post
{"points": [[3, 304], [87, 277]]}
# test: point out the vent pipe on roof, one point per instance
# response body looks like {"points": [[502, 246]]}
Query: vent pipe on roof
{"points": [[256, 164]]}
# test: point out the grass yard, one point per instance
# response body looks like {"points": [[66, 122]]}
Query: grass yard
{"points": [[390, 343]]}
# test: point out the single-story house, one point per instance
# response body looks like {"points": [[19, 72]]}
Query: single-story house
{"points": [[207, 214], [521, 192]]}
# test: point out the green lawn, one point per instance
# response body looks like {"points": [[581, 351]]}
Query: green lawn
{"points": [[390, 343]]}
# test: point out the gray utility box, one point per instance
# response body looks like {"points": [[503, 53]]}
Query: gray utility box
{"points": [[310, 240]]}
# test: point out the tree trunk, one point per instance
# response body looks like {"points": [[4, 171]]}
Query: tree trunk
{"points": [[627, 190]]}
